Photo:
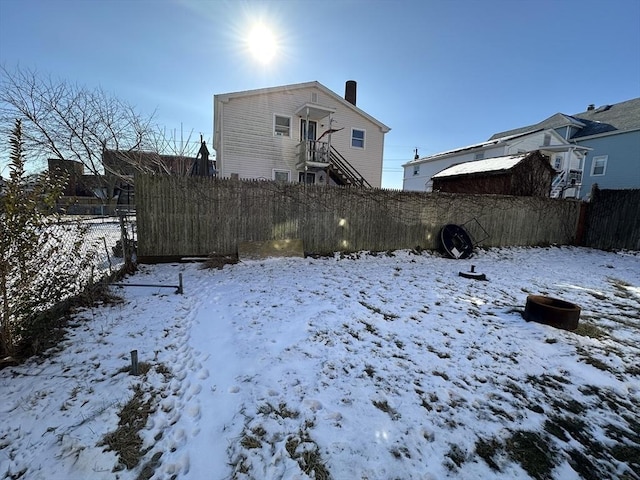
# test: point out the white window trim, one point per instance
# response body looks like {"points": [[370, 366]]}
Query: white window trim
{"points": [[281, 170], [604, 166], [275, 134], [557, 162], [364, 138]]}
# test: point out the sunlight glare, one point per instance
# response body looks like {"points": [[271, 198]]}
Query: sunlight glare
{"points": [[262, 43]]}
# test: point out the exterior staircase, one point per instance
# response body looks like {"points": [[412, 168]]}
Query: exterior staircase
{"points": [[321, 155], [566, 180], [343, 173]]}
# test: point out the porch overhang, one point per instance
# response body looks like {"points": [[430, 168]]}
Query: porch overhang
{"points": [[313, 111], [303, 165], [565, 148]]}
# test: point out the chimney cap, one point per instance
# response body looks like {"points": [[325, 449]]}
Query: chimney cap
{"points": [[592, 106]]}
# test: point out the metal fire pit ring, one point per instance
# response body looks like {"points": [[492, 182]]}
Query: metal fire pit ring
{"points": [[552, 311]]}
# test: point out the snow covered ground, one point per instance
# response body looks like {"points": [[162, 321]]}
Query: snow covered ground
{"points": [[386, 366]]}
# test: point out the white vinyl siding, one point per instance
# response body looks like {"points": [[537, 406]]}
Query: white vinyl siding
{"points": [[599, 165], [246, 144]]}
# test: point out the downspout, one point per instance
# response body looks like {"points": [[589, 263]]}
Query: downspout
{"points": [[219, 148]]}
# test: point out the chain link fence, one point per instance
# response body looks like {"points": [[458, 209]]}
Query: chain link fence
{"points": [[109, 242]]}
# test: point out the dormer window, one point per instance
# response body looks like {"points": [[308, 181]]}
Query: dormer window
{"points": [[547, 139]]}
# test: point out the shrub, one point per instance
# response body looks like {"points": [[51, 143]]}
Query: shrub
{"points": [[41, 257]]}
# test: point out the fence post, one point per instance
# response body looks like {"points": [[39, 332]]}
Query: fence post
{"points": [[126, 244], [134, 362]]}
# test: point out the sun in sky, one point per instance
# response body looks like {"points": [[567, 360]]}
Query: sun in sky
{"points": [[262, 43]]}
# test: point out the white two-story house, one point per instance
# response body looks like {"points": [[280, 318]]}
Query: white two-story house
{"points": [[563, 156], [600, 145], [298, 133]]}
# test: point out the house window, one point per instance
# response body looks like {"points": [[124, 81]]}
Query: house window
{"points": [[307, 177], [547, 139], [599, 165], [557, 163], [416, 169], [357, 138], [281, 175], [281, 126], [314, 97], [479, 156]]}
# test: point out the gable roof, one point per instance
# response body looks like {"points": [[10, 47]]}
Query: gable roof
{"points": [[298, 86], [477, 146], [619, 117]]}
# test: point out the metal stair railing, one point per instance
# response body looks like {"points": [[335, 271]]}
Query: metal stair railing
{"points": [[345, 169]]}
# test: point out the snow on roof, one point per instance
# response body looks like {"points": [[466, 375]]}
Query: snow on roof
{"points": [[477, 166], [488, 143]]}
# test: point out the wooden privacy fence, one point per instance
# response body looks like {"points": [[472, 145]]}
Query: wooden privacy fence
{"points": [[198, 216], [613, 220]]}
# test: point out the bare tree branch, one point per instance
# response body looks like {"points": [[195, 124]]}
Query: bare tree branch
{"points": [[67, 121]]}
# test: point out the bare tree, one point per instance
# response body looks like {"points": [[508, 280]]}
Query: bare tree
{"points": [[66, 121]]}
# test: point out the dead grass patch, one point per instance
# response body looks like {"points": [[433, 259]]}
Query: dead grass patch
{"points": [[308, 457], [125, 440], [587, 329], [532, 452], [488, 450], [219, 261], [384, 406]]}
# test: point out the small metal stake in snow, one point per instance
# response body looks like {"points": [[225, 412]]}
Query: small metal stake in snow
{"points": [[179, 284], [473, 274], [134, 362]]}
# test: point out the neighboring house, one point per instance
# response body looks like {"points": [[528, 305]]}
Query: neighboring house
{"points": [[611, 133], [77, 184], [525, 174], [298, 133], [601, 145], [418, 174], [120, 167]]}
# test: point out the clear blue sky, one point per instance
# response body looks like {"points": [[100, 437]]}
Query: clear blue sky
{"points": [[441, 73]]}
